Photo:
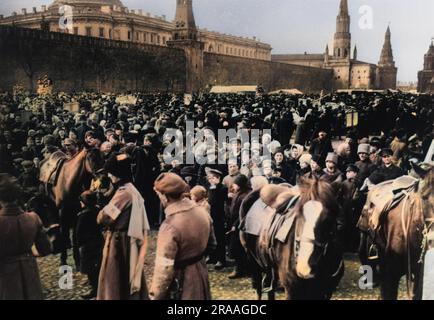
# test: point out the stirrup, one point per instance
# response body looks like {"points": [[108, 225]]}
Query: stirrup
{"points": [[265, 279], [373, 252]]}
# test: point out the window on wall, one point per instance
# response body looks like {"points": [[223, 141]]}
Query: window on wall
{"points": [[89, 31], [101, 32], [110, 34], [76, 30], [164, 40], [117, 35], [129, 35], [158, 39], [137, 36]]}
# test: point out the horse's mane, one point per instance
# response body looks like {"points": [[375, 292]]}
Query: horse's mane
{"points": [[426, 190]]}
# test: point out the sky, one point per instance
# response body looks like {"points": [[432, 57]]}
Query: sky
{"points": [[298, 26]]}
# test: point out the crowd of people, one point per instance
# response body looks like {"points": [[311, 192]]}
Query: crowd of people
{"points": [[195, 207]]}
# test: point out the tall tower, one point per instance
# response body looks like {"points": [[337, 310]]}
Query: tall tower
{"points": [[386, 58], [185, 38], [386, 70], [185, 26], [342, 38], [426, 76]]}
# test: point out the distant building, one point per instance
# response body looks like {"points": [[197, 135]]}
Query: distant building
{"points": [[110, 19], [349, 72], [426, 76]]}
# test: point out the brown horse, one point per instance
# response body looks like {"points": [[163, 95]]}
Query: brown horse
{"points": [[306, 259], [73, 176], [401, 239]]}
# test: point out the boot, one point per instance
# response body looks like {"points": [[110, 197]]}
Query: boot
{"points": [[236, 275], [219, 266]]}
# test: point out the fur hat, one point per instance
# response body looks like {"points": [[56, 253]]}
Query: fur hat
{"points": [[332, 157], [363, 148], [242, 181], [199, 192], [353, 168], [119, 165], [170, 184]]}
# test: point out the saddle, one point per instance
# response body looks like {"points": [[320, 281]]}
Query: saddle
{"points": [[50, 168], [256, 217], [387, 195], [276, 228]]}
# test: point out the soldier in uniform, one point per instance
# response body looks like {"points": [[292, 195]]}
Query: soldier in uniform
{"points": [[349, 207], [365, 166], [331, 172], [387, 170], [180, 270]]}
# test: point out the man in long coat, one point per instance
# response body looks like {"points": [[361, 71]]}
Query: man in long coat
{"points": [[122, 275], [180, 270], [19, 231]]}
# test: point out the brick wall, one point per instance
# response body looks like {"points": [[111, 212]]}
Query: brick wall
{"points": [[82, 63], [226, 70]]}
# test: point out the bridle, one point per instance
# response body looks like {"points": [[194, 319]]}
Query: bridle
{"points": [[323, 246]]}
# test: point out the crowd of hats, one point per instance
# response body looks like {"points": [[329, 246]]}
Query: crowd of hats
{"points": [[31, 125]]}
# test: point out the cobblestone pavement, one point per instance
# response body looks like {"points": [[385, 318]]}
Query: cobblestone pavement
{"points": [[222, 287]]}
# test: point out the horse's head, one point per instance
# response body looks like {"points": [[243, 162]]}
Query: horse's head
{"points": [[94, 160], [316, 223]]}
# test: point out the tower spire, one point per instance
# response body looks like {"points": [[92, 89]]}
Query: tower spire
{"points": [[355, 52], [343, 9], [342, 38], [386, 58], [185, 25]]}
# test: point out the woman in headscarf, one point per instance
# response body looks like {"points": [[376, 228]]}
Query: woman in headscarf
{"points": [[122, 275], [281, 163], [296, 152], [19, 231]]}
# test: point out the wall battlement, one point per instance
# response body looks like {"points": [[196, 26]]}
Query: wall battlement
{"points": [[35, 34]]}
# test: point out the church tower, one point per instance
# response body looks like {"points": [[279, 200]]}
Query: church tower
{"points": [[185, 36], [386, 58], [185, 26], [426, 76], [340, 58], [342, 38], [386, 70]]}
